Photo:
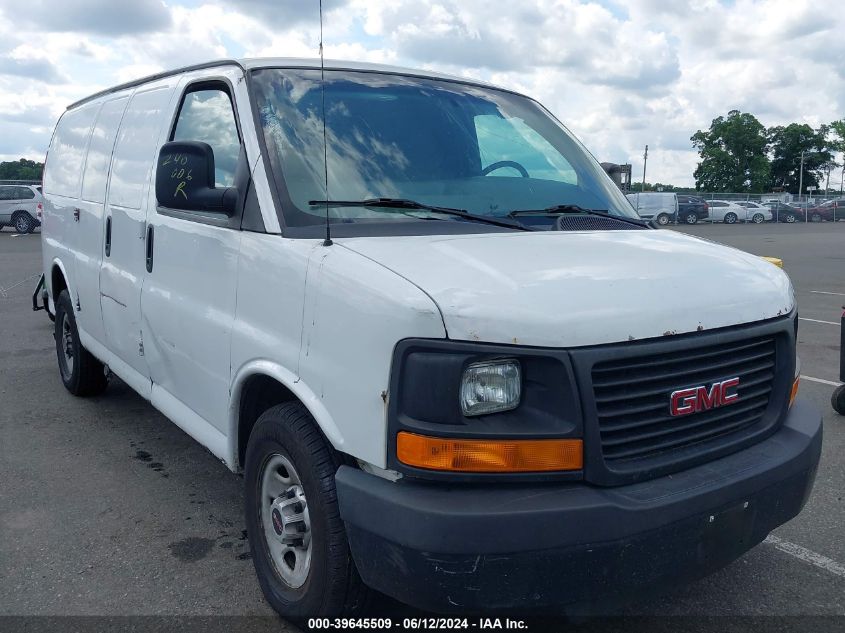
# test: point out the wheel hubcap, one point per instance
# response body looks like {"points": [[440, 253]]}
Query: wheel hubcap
{"points": [[286, 521], [67, 346], [21, 225]]}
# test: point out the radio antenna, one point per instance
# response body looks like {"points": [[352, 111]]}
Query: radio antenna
{"points": [[328, 240]]}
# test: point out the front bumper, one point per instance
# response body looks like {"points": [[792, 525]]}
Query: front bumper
{"points": [[569, 547]]}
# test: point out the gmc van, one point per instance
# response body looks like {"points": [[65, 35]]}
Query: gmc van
{"points": [[330, 284]]}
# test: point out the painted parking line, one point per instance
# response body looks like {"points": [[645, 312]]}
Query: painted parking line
{"points": [[806, 555], [832, 383], [824, 292], [818, 321]]}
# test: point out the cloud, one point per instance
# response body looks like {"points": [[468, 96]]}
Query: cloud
{"points": [[618, 73], [31, 68], [104, 17]]}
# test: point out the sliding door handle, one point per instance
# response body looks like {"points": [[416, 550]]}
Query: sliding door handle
{"points": [[108, 236]]}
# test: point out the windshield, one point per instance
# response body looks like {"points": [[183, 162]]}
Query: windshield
{"points": [[439, 143]]}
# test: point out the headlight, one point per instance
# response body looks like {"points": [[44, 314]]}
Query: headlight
{"points": [[490, 387]]}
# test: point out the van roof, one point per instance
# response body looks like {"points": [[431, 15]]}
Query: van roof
{"points": [[290, 62]]}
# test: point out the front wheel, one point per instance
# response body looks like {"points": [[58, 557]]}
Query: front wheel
{"points": [[691, 218], [730, 218], [297, 538], [758, 218], [662, 219], [82, 374], [790, 218], [815, 218]]}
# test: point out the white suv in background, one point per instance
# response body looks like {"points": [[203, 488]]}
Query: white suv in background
{"points": [[20, 207]]}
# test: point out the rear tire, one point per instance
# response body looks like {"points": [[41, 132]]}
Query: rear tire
{"points": [[662, 219], [790, 218], [758, 218], [731, 218], [815, 218], [837, 400], [287, 454], [81, 373], [23, 222], [691, 218]]}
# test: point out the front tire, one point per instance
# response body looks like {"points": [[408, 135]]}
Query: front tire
{"points": [[790, 218], [758, 218], [815, 218], [730, 218], [81, 373], [297, 538], [837, 400], [691, 218]]}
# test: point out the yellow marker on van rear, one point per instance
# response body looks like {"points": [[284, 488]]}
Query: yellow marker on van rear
{"points": [[774, 260]]}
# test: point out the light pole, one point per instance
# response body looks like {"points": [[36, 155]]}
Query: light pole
{"points": [[801, 175], [645, 164]]}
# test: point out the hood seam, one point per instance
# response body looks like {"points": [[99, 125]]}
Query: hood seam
{"points": [[398, 274]]}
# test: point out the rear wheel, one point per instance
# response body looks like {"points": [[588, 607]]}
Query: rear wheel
{"points": [[790, 218], [731, 218], [691, 218], [758, 218], [297, 538], [662, 219], [837, 400], [24, 223], [815, 218], [82, 374]]}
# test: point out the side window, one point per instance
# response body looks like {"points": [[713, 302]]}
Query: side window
{"points": [[99, 151], [135, 149], [501, 139], [24, 193], [206, 115], [67, 151], [7, 193]]}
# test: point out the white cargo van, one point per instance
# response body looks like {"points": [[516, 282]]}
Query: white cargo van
{"points": [[662, 207], [491, 386]]}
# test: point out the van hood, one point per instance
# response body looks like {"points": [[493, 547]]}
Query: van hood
{"points": [[569, 289]]}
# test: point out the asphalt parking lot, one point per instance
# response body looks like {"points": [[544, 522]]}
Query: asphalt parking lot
{"points": [[106, 508]]}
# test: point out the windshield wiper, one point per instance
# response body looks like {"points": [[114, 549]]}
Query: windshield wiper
{"points": [[403, 203], [559, 209]]}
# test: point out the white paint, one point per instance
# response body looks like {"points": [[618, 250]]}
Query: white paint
{"points": [[569, 289], [222, 306], [806, 555], [832, 383], [824, 292], [818, 321]]}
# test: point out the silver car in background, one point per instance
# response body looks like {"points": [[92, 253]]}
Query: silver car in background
{"points": [[20, 207], [733, 212]]}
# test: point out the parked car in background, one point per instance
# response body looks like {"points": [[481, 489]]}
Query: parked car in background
{"points": [[654, 205], [692, 209], [20, 207], [832, 210], [783, 212], [725, 211], [756, 212]]}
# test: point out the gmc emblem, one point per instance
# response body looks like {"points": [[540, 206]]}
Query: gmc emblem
{"points": [[697, 399]]}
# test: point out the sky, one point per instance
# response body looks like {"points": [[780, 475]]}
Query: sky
{"points": [[619, 74]]}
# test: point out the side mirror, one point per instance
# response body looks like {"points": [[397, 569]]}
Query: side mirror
{"points": [[185, 179]]}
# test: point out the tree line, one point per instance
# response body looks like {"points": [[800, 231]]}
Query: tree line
{"points": [[739, 154], [22, 169]]}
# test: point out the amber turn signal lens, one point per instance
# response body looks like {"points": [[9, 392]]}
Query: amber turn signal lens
{"points": [[489, 456], [794, 391]]}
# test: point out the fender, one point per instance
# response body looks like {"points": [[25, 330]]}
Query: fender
{"points": [[299, 389], [49, 279]]}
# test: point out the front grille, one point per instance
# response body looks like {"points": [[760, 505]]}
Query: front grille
{"points": [[632, 397]]}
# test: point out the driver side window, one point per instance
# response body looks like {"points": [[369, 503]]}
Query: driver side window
{"points": [[511, 140]]}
